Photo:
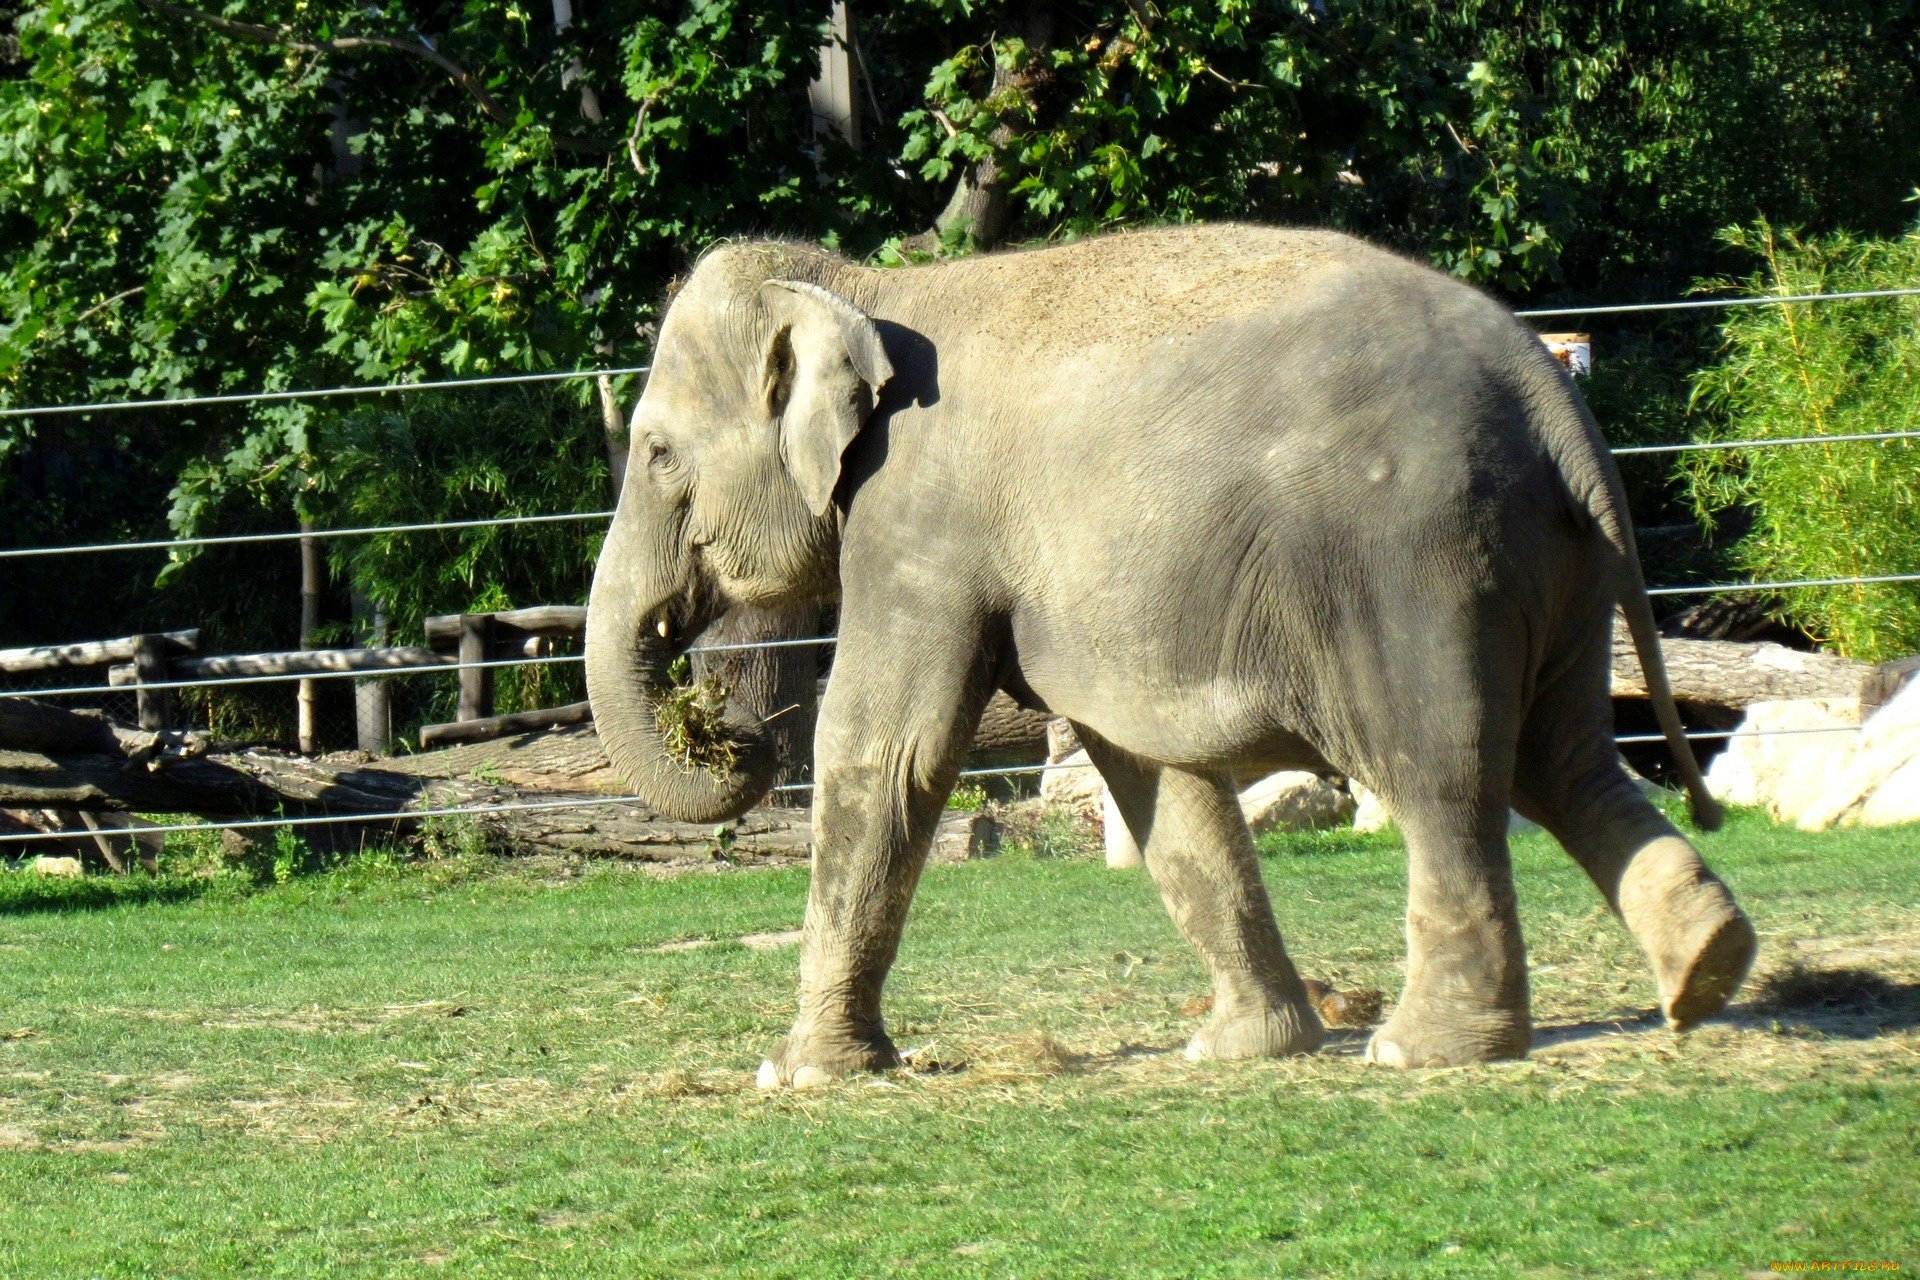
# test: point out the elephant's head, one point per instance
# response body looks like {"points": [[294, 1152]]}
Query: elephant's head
{"points": [[758, 383]]}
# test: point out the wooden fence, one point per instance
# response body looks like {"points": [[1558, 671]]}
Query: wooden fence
{"points": [[459, 641]]}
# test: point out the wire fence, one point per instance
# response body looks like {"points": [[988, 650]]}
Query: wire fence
{"points": [[511, 521], [318, 393], [592, 802]]}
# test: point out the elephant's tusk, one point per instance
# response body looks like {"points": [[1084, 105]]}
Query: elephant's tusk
{"points": [[661, 627]]}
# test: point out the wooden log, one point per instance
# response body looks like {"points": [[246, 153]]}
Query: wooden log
{"points": [[559, 767], [1009, 735], [299, 662], [446, 735], [515, 625], [1724, 674], [94, 653], [26, 725], [476, 683], [150, 667]]}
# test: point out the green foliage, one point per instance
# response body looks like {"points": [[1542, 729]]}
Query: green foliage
{"points": [[1823, 511], [304, 197]]}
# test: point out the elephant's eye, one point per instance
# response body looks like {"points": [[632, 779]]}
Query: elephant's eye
{"points": [[658, 454]]}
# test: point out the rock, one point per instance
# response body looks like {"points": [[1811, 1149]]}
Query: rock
{"points": [[963, 836], [1062, 741], [1073, 783], [1878, 785], [1121, 850], [1786, 755], [1293, 801], [47, 866], [1368, 813]]}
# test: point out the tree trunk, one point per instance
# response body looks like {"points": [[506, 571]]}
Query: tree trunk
{"points": [[372, 701], [614, 424], [305, 699], [980, 208]]}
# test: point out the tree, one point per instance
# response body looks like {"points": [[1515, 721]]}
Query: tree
{"points": [[293, 193]]}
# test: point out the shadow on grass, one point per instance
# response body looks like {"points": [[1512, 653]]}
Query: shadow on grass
{"points": [[1853, 1003], [26, 894]]}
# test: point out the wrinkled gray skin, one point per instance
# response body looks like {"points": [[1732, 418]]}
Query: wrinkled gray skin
{"points": [[1229, 498]]}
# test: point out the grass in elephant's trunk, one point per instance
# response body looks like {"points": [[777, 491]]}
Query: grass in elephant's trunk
{"points": [[691, 716]]}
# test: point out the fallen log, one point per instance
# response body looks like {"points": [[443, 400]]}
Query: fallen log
{"points": [[1721, 673]]}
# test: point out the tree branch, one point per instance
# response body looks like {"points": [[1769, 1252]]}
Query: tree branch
{"points": [[348, 44], [98, 307]]}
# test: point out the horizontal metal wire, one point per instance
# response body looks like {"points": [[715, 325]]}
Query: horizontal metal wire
{"points": [[224, 540], [1762, 444], [377, 672], [1719, 588], [586, 802], [319, 393], [221, 540], [1698, 304]]}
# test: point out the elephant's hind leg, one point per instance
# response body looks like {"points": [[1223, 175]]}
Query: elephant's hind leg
{"points": [[1465, 998], [1697, 940], [1198, 850]]}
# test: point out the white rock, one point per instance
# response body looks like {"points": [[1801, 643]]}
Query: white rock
{"points": [[1121, 850], [1294, 801], [1073, 783], [1786, 755], [1888, 744], [1369, 814], [1895, 801], [50, 866]]}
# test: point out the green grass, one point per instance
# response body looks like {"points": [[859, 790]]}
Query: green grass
{"points": [[477, 1069]]}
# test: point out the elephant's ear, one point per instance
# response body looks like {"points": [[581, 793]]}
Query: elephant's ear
{"points": [[823, 369]]}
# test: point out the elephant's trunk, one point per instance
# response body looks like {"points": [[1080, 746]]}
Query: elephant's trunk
{"points": [[627, 674]]}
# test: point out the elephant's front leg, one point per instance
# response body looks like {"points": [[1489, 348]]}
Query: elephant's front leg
{"points": [[1200, 854], [888, 748]]}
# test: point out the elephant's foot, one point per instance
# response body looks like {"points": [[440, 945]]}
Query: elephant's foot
{"points": [[1699, 941], [807, 1059], [1277, 1030], [1433, 1035]]}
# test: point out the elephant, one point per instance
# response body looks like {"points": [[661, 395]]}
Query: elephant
{"points": [[1230, 499]]}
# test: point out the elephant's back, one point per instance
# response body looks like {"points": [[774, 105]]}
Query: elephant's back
{"points": [[1129, 289]]}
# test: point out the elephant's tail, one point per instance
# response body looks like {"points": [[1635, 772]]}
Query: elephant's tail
{"points": [[1606, 501]]}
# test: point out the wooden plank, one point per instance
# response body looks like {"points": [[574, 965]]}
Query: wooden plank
{"points": [[446, 735], [299, 662], [476, 683], [443, 630], [93, 653], [150, 667]]}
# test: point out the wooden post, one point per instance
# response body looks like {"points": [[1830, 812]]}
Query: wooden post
{"points": [[309, 622], [372, 705], [150, 667], [835, 108], [476, 683]]}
